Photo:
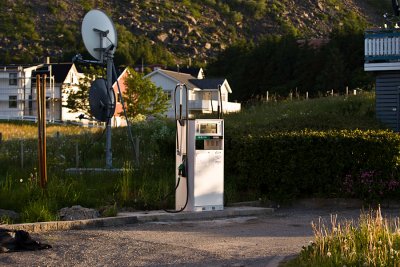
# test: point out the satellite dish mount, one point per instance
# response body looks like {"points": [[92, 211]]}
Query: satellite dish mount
{"points": [[100, 39]]}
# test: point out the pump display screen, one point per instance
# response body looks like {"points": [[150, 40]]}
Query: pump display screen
{"points": [[208, 128]]}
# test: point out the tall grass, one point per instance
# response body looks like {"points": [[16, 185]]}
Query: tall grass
{"points": [[372, 241]]}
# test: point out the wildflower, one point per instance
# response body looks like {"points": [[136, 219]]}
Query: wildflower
{"points": [[329, 254], [379, 242], [21, 180]]}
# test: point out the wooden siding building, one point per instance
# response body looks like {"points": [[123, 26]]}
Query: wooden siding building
{"points": [[382, 56]]}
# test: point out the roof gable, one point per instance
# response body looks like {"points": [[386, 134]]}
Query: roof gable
{"points": [[177, 77], [211, 84], [58, 70], [190, 81]]}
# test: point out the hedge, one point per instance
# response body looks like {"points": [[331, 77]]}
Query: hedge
{"points": [[287, 165]]}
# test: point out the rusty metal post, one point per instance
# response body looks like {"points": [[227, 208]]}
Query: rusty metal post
{"points": [[41, 115], [44, 143]]}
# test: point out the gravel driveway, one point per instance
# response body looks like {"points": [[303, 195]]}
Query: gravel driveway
{"points": [[241, 241]]}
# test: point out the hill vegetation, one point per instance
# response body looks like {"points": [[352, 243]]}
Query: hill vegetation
{"points": [[169, 32]]}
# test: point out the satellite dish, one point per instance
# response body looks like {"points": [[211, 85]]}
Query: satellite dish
{"points": [[101, 100], [98, 33]]}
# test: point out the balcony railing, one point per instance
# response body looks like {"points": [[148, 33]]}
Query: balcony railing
{"points": [[207, 106], [382, 46]]}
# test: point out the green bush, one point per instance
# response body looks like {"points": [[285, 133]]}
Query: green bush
{"points": [[332, 163]]}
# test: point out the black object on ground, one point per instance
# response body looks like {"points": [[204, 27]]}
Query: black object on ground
{"points": [[18, 240]]}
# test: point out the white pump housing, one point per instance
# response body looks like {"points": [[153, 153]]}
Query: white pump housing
{"points": [[204, 159]]}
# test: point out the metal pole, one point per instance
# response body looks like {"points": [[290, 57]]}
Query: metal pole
{"points": [[43, 117], [108, 130]]}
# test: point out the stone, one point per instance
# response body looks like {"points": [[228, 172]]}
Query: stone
{"points": [[77, 213], [10, 214]]}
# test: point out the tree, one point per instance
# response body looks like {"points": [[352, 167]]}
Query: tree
{"points": [[78, 100], [142, 97]]}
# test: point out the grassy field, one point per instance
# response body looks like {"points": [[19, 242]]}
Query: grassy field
{"points": [[142, 186]]}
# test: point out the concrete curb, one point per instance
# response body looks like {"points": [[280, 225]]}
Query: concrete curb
{"points": [[125, 218], [68, 225], [204, 215]]}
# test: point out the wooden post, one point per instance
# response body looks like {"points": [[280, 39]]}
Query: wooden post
{"points": [[347, 90], [332, 92], [267, 96], [306, 95], [41, 115]]}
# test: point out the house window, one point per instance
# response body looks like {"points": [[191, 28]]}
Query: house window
{"points": [[169, 94], [12, 101], [119, 98], [12, 78]]}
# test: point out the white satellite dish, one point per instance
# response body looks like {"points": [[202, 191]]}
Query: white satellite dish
{"points": [[98, 34]]}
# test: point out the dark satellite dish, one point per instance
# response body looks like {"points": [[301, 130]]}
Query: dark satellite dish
{"points": [[396, 8], [101, 100]]}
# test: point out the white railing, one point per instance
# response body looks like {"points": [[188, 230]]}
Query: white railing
{"points": [[208, 106], [382, 46]]}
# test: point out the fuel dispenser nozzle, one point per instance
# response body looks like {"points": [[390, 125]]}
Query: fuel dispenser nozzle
{"points": [[182, 169]]}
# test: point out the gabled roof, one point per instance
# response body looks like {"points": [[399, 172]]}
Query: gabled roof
{"points": [[192, 82], [178, 77], [211, 84], [195, 72], [207, 83], [59, 71], [120, 76]]}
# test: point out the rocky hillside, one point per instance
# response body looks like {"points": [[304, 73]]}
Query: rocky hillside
{"points": [[195, 29]]}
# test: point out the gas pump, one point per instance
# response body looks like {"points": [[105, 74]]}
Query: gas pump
{"points": [[199, 161]]}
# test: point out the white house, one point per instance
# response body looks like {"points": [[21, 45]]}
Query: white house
{"points": [[203, 94], [15, 90], [63, 79], [18, 92]]}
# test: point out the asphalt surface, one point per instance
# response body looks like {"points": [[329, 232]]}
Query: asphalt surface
{"points": [[262, 240]]}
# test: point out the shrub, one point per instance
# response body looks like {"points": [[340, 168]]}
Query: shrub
{"points": [[307, 163]]}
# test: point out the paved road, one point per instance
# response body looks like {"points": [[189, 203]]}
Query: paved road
{"points": [[242, 241]]}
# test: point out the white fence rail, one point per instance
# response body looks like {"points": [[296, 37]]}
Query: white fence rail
{"points": [[382, 46]]}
